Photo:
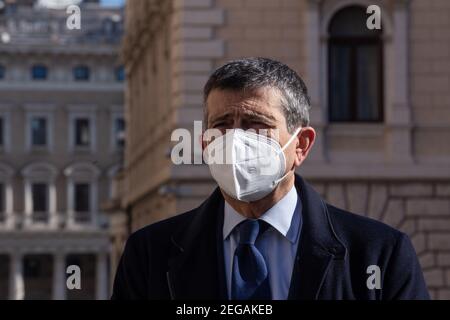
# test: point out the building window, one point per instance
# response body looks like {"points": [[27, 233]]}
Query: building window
{"points": [[355, 87], [120, 74], [40, 197], [2, 72], [38, 272], [2, 197], [111, 26], [119, 132], [82, 129], [82, 193], [82, 132], [38, 131], [5, 140], [81, 73], [82, 203], [39, 72]]}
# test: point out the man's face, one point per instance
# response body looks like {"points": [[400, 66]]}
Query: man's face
{"points": [[257, 109]]}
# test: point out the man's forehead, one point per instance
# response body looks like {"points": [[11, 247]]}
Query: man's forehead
{"points": [[256, 101]]}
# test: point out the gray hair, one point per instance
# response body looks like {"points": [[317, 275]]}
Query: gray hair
{"points": [[254, 73]]}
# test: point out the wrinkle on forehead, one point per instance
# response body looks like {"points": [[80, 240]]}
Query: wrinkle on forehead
{"points": [[257, 102]]}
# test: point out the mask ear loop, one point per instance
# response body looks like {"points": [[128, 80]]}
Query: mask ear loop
{"points": [[294, 135]]}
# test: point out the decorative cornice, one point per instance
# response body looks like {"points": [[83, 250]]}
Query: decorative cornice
{"points": [[39, 107], [82, 108], [78, 50]]}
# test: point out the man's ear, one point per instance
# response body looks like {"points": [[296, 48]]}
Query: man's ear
{"points": [[306, 138]]}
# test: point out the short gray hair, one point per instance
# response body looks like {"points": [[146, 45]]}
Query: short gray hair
{"points": [[254, 73]]}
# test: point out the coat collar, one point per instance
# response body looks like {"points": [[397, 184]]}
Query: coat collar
{"points": [[196, 266], [319, 245]]}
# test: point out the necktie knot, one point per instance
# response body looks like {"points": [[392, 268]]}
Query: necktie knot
{"points": [[248, 232]]}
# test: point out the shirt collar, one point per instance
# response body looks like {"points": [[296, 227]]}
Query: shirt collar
{"points": [[280, 216]]}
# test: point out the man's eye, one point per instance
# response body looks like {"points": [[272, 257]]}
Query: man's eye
{"points": [[259, 124], [219, 124]]}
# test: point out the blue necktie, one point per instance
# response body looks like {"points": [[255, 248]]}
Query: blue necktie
{"points": [[250, 275]]}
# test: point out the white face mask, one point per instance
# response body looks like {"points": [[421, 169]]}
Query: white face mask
{"points": [[246, 165]]}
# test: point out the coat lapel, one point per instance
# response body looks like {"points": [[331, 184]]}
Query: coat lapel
{"points": [[196, 266], [318, 247]]}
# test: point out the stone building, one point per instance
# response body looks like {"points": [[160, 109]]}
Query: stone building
{"points": [[380, 105], [61, 141]]}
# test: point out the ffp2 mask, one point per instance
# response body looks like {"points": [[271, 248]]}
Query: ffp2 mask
{"points": [[254, 164]]}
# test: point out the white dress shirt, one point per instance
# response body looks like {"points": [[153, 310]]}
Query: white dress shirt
{"points": [[278, 244]]}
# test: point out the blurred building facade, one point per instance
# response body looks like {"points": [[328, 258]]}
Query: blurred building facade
{"points": [[61, 141], [380, 105]]}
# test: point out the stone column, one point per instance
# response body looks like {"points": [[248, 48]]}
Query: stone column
{"points": [[318, 113], [59, 276], [398, 117], [16, 279], [102, 276], [70, 218], [28, 204], [53, 214]]}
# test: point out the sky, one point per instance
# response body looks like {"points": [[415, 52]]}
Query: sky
{"points": [[112, 2]]}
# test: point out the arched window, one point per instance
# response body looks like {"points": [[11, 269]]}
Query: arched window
{"points": [[39, 72], [81, 73], [355, 68]]}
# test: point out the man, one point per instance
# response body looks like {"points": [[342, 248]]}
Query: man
{"points": [[265, 233]]}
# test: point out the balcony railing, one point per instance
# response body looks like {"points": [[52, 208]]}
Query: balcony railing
{"points": [[51, 221], [40, 217], [82, 217]]}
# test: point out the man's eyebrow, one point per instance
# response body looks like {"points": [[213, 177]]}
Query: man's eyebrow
{"points": [[221, 117], [260, 116], [247, 114]]}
